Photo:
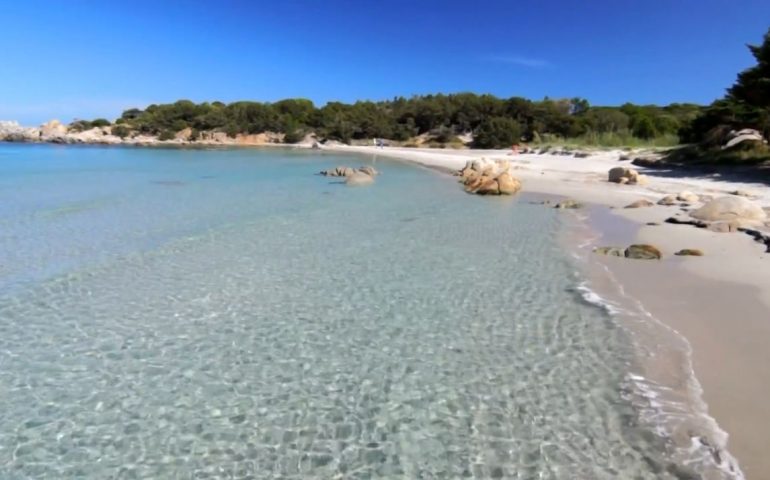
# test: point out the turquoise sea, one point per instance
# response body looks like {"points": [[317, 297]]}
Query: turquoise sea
{"points": [[193, 313]]}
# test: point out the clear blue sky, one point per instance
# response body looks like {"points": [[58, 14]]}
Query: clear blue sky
{"points": [[67, 59]]}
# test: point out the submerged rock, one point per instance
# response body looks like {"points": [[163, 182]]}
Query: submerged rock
{"points": [[358, 179], [689, 252], [568, 204], [611, 251], [643, 252], [368, 170]]}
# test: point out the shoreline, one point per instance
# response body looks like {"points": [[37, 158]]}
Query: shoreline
{"points": [[718, 303], [694, 296]]}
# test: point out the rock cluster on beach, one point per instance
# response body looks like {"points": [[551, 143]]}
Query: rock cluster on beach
{"points": [[489, 177]]}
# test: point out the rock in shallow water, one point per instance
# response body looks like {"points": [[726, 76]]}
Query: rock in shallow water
{"points": [[611, 251], [570, 204], [358, 179]]}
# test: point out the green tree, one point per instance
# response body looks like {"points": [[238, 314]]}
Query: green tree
{"points": [[644, 128], [753, 84], [497, 132]]}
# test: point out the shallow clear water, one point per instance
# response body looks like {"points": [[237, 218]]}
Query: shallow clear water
{"points": [[228, 314]]}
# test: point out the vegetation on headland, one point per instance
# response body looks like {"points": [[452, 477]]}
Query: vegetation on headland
{"points": [[491, 122]]}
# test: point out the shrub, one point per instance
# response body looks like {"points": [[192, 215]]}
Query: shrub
{"points": [[644, 128], [100, 122], [293, 136], [497, 132], [121, 131], [166, 135]]}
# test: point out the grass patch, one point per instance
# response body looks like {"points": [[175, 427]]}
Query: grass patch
{"points": [[607, 140], [746, 153]]}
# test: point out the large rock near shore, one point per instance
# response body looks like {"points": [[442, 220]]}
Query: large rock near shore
{"points": [[624, 175], [740, 209], [508, 185], [489, 177]]}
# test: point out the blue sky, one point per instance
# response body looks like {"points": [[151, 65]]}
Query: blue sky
{"points": [[83, 59]]}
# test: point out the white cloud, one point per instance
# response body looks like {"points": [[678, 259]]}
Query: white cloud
{"points": [[517, 60]]}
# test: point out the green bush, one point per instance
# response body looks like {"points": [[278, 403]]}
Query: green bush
{"points": [[121, 131], [100, 122], [166, 135], [497, 132]]}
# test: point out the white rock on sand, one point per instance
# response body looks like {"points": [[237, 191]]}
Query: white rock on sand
{"points": [[730, 208]]}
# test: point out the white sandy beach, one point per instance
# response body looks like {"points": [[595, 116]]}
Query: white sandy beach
{"points": [[720, 302]]}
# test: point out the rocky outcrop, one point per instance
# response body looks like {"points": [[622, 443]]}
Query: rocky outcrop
{"points": [[184, 134], [52, 131], [13, 132], [732, 208], [643, 252], [625, 175], [489, 177]]}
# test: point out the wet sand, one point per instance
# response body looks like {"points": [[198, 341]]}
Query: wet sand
{"points": [[726, 324]]}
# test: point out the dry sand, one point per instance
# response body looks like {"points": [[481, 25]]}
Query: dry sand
{"points": [[719, 302]]}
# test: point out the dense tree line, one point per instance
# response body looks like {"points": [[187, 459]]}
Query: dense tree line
{"points": [[494, 122]]}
